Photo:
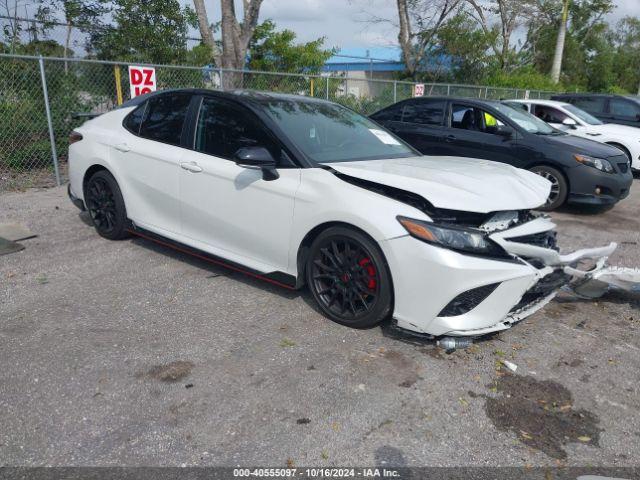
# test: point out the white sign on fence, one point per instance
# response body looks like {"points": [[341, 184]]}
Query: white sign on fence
{"points": [[418, 90], [142, 80]]}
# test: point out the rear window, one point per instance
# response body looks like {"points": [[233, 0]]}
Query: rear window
{"points": [[133, 121], [590, 104], [389, 114], [426, 113], [164, 118]]}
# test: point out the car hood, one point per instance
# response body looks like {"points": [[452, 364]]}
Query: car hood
{"points": [[455, 183], [614, 129], [581, 145]]}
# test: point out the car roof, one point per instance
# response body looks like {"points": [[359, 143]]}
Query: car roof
{"points": [[241, 95], [548, 103], [585, 94], [479, 101]]}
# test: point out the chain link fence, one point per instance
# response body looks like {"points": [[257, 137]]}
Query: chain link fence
{"points": [[43, 99]]}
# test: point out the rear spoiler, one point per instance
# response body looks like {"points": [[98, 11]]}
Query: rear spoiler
{"points": [[88, 116]]}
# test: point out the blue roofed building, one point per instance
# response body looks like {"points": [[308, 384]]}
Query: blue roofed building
{"points": [[361, 65]]}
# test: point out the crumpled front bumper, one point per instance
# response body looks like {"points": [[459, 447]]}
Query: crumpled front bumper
{"points": [[426, 278]]}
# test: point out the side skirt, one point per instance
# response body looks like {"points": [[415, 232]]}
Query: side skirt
{"points": [[278, 278]]}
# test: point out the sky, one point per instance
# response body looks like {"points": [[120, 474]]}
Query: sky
{"points": [[343, 22]]}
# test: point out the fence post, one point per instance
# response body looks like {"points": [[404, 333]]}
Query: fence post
{"points": [[52, 138], [221, 79], [326, 93], [116, 73], [448, 90], [395, 91]]}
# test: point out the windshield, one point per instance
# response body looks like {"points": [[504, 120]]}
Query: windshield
{"points": [[528, 122], [582, 115], [328, 132]]}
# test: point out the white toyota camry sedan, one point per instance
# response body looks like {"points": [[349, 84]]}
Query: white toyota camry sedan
{"points": [[572, 120], [300, 191]]}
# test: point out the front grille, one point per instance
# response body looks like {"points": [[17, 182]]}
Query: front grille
{"points": [[543, 288], [467, 301], [546, 239], [621, 161]]}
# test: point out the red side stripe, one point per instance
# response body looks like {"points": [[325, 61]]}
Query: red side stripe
{"points": [[211, 260]]}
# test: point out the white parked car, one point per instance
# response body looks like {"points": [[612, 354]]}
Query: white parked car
{"points": [[300, 191], [575, 121]]}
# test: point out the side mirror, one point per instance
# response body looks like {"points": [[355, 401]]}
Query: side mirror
{"points": [[570, 122], [257, 158], [504, 131]]}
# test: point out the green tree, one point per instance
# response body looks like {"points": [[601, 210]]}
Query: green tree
{"points": [[585, 62], [152, 31], [465, 49], [627, 57], [271, 50]]}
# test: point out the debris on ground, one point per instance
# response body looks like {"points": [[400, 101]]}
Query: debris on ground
{"points": [[511, 366], [7, 246], [14, 232], [171, 372]]}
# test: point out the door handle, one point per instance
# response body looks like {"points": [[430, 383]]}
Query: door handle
{"points": [[192, 167], [450, 138], [122, 147]]}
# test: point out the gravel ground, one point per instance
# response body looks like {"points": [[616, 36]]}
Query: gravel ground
{"points": [[126, 353]]}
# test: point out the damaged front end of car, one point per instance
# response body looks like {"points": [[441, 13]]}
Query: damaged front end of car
{"points": [[465, 273], [510, 281]]}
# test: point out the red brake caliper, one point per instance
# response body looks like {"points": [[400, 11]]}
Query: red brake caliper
{"points": [[367, 264]]}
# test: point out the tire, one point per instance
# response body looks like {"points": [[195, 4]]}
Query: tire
{"points": [[105, 205], [559, 187], [349, 278]]}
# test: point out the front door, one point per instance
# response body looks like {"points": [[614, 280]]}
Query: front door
{"points": [[229, 210], [471, 133]]}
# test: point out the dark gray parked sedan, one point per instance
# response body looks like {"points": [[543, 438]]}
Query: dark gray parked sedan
{"points": [[580, 170]]}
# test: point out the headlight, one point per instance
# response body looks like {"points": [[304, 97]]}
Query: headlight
{"points": [[454, 238], [599, 163]]}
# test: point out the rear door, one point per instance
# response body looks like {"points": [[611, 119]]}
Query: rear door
{"points": [[471, 133], [422, 125], [148, 156], [229, 210], [625, 112]]}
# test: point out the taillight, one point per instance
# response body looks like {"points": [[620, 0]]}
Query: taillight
{"points": [[74, 137]]}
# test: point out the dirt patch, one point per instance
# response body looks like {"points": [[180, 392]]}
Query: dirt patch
{"points": [[558, 309], [575, 363], [171, 372], [541, 414], [405, 367]]}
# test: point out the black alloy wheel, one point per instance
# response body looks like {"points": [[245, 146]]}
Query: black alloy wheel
{"points": [[105, 205], [559, 187], [349, 278]]}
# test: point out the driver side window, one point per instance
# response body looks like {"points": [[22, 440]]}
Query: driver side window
{"points": [[550, 114], [475, 119], [223, 129]]}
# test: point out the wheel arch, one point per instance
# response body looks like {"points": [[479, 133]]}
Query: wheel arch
{"points": [[89, 172], [305, 245], [622, 147]]}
